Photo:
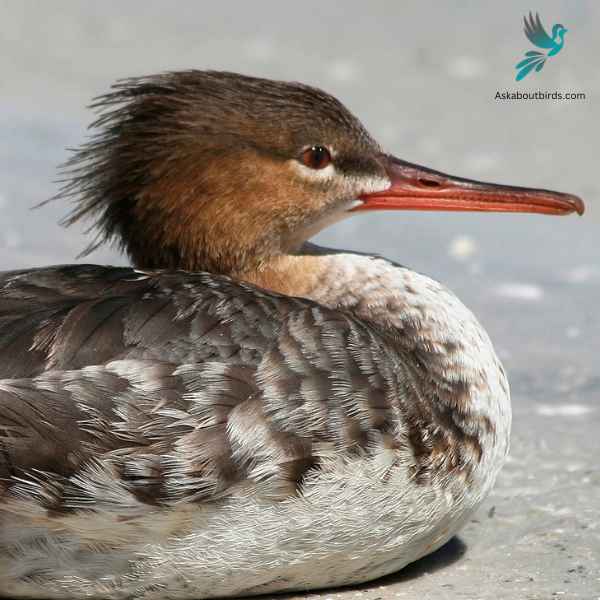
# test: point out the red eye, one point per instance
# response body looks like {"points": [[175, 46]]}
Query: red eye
{"points": [[316, 157]]}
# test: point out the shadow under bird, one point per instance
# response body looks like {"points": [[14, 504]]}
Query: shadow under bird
{"points": [[243, 412]]}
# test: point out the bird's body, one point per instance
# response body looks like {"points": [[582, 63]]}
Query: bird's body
{"points": [[278, 416], [229, 440]]}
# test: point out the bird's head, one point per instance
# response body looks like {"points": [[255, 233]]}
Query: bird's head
{"points": [[558, 31], [203, 170]]}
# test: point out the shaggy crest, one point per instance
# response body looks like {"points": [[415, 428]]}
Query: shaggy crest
{"points": [[182, 126]]}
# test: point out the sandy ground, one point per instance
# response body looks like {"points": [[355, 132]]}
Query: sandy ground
{"points": [[423, 77]]}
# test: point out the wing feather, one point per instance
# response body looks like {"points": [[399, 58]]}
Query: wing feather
{"points": [[151, 389], [535, 32]]}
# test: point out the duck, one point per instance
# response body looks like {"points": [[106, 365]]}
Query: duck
{"points": [[241, 411]]}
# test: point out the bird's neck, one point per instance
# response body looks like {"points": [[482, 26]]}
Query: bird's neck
{"points": [[375, 290], [416, 311], [453, 359]]}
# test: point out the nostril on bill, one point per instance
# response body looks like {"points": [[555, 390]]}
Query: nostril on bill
{"points": [[429, 183]]}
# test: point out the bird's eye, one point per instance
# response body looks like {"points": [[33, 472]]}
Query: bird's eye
{"points": [[316, 157]]}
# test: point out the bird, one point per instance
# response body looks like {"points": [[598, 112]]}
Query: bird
{"points": [[241, 411], [536, 34]]}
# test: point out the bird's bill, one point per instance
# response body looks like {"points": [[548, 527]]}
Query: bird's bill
{"points": [[418, 188]]}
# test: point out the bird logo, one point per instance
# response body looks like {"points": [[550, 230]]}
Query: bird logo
{"points": [[536, 34]]}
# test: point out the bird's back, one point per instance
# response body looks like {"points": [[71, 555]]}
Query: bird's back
{"points": [[71, 317]]}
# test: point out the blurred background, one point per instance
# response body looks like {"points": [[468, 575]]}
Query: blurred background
{"points": [[423, 78]]}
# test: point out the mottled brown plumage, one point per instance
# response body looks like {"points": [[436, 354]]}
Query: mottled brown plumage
{"points": [[207, 335]]}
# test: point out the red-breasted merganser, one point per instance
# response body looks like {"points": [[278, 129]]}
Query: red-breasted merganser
{"points": [[243, 412]]}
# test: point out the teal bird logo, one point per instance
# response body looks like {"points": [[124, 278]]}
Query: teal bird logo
{"points": [[536, 34]]}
